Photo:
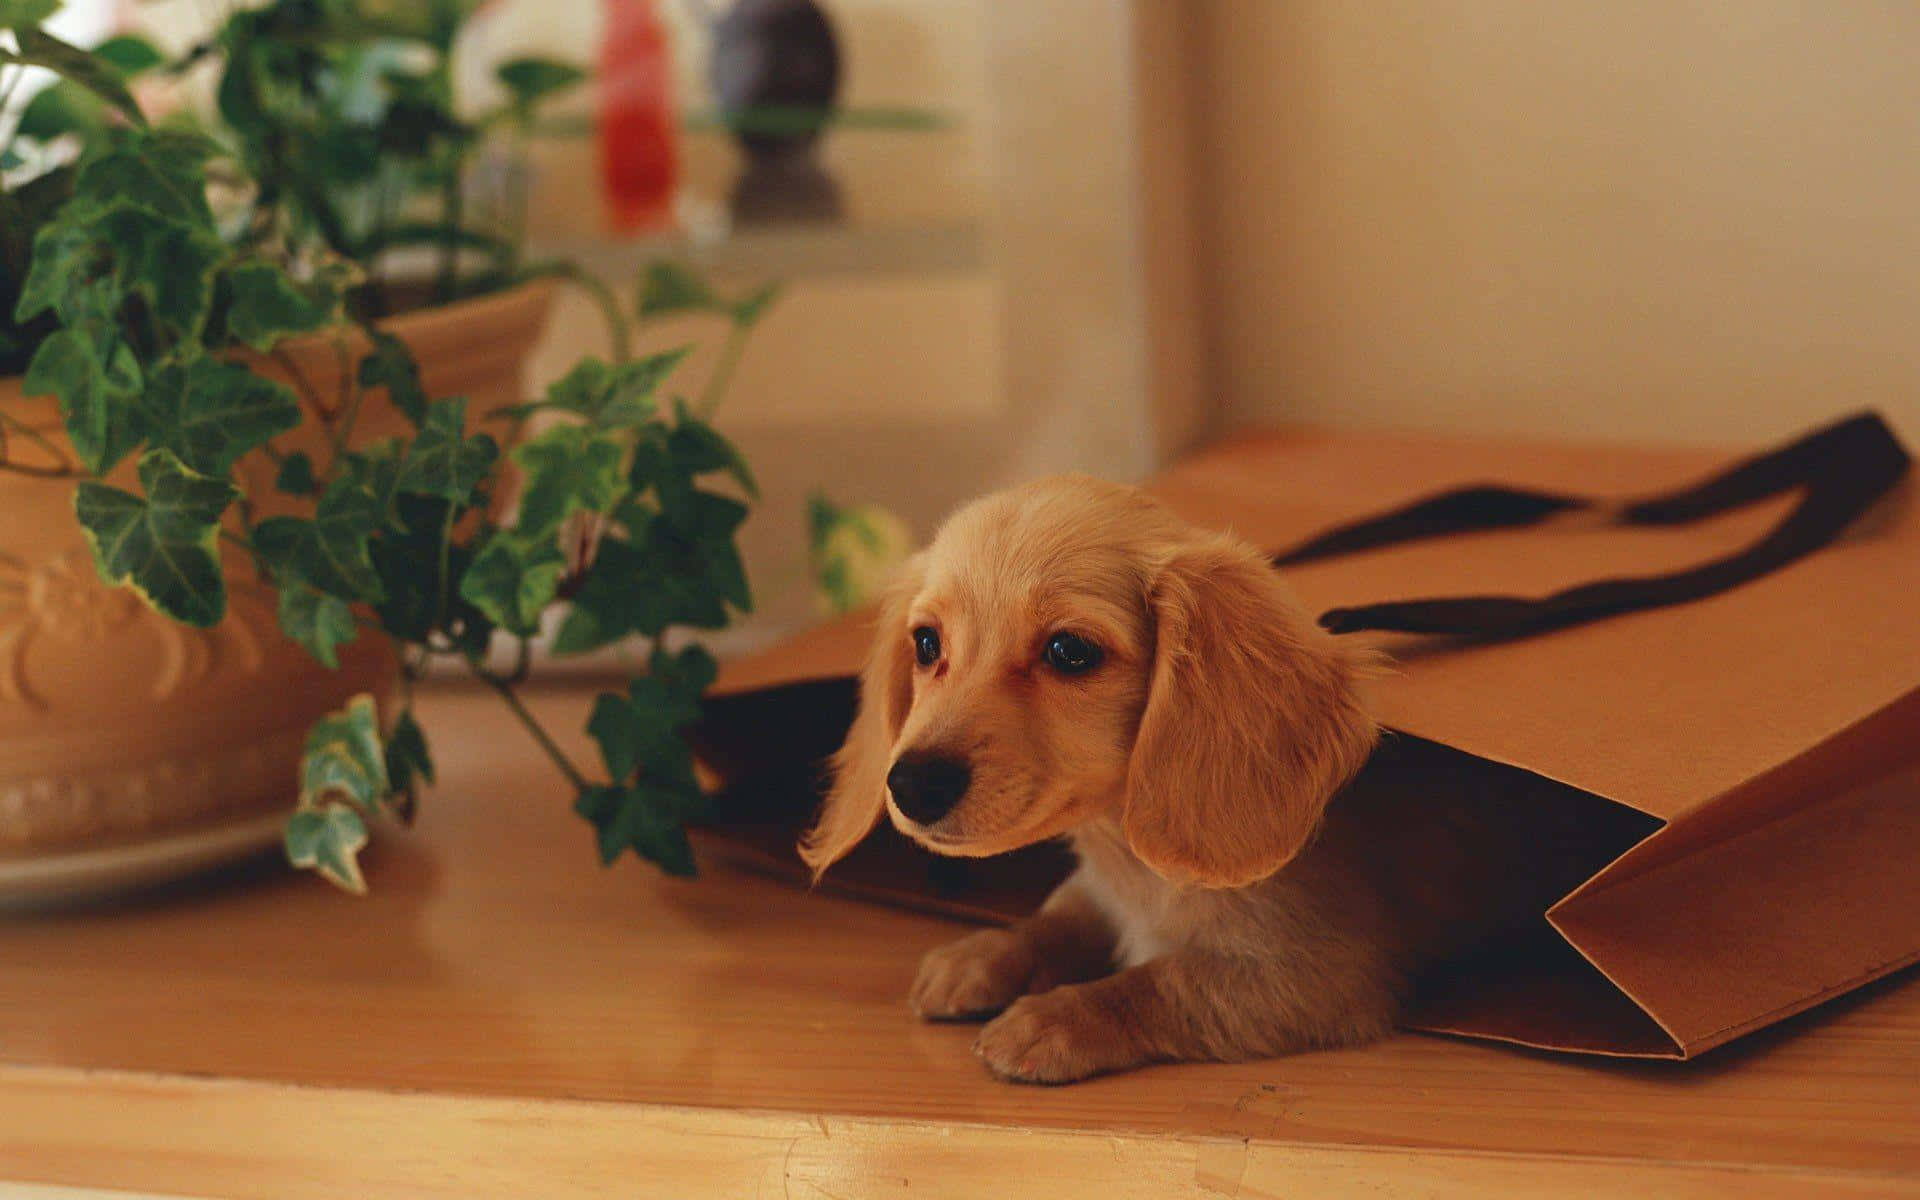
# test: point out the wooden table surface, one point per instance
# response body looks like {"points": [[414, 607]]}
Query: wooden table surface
{"points": [[503, 1017]]}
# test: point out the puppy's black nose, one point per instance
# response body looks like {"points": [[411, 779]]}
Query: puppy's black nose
{"points": [[925, 787]]}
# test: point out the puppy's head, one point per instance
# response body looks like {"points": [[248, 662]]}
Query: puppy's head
{"points": [[1070, 648]]}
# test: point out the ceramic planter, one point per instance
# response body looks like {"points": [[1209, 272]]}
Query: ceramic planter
{"points": [[133, 748]]}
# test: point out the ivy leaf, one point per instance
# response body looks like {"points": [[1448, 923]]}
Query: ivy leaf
{"points": [[698, 448], [65, 253], [533, 79], [317, 621], [328, 839], [96, 397], [643, 818], [643, 727], [296, 475], [568, 468], [513, 580], [391, 365], [163, 545], [344, 760], [407, 558], [330, 551], [444, 462], [668, 287], [663, 572], [211, 412], [161, 170], [407, 762], [18, 14], [130, 54], [265, 305], [61, 109], [748, 310], [609, 397], [37, 48], [137, 250]]}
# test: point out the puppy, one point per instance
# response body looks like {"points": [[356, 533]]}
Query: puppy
{"points": [[1070, 658]]}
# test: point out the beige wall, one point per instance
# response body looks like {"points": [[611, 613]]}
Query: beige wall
{"points": [[1630, 218]]}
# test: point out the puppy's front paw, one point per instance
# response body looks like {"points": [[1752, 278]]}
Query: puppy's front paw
{"points": [[974, 977], [1054, 1037]]}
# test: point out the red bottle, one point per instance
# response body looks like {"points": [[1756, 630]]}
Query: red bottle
{"points": [[639, 164]]}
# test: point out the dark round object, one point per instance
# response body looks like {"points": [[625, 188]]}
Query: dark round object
{"points": [[775, 54], [785, 188]]}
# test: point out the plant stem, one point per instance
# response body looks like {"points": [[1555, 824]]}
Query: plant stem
{"points": [[730, 352], [526, 718], [451, 202], [67, 466], [619, 331]]}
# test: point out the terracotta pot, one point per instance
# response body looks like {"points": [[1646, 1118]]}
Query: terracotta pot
{"points": [[133, 747]]}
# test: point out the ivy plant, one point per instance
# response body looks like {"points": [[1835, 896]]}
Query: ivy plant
{"points": [[145, 319]]}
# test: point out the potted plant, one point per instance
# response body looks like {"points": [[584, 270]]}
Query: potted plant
{"points": [[244, 501]]}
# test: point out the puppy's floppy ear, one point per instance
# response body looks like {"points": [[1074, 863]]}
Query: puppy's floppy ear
{"points": [[1252, 721], [858, 794]]}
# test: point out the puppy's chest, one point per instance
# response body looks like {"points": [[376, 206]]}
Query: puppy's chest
{"points": [[1149, 915]]}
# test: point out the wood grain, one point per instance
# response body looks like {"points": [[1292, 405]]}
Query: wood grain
{"points": [[501, 1004]]}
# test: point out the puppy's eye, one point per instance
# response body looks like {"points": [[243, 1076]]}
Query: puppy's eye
{"points": [[926, 645], [1071, 654]]}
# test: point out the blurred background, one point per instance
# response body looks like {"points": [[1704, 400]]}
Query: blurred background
{"points": [[1083, 235]]}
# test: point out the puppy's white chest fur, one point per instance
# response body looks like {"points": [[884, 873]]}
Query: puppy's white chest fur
{"points": [[1149, 915]]}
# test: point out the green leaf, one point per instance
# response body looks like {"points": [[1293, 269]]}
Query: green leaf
{"points": [[163, 545], [329, 839], [609, 397], [407, 558], [642, 728], [317, 621], [698, 448], [65, 254], [330, 551], [852, 550], [442, 461], [19, 14], [644, 818], [37, 48], [296, 475], [407, 759], [513, 580], [344, 761], [96, 397], [266, 305], [211, 412], [126, 248], [533, 79], [668, 287], [680, 569], [62, 109], [163, 171], [130, 54], [568, 468], [748, 310], [391, 365]]}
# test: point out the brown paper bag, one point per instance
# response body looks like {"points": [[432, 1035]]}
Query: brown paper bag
{"points": [[1754, 750]]}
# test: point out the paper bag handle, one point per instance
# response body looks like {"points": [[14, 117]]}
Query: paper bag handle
{"points": [[1841, 470]]}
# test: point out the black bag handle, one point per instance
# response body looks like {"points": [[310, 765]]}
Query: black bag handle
{"points": [[1841, 469]]}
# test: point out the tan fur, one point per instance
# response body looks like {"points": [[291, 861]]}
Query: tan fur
{"points": [[1221, 910]]}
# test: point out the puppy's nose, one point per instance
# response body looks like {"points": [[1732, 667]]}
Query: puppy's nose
{"points": [[925, 787]]}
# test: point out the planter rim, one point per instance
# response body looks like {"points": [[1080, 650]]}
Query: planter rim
{"points": [[422, 328]]}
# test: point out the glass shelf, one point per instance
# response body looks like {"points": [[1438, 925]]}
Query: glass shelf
{"points": [[791, 251]]}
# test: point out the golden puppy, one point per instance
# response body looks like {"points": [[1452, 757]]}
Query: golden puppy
{"points": [[1070, 658]]}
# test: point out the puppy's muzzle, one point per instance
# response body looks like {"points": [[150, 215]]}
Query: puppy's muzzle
{"points": [[925, 787]]}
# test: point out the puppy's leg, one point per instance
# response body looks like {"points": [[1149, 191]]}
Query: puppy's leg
{"points": [[1188, 1006], [1068, 940]]}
